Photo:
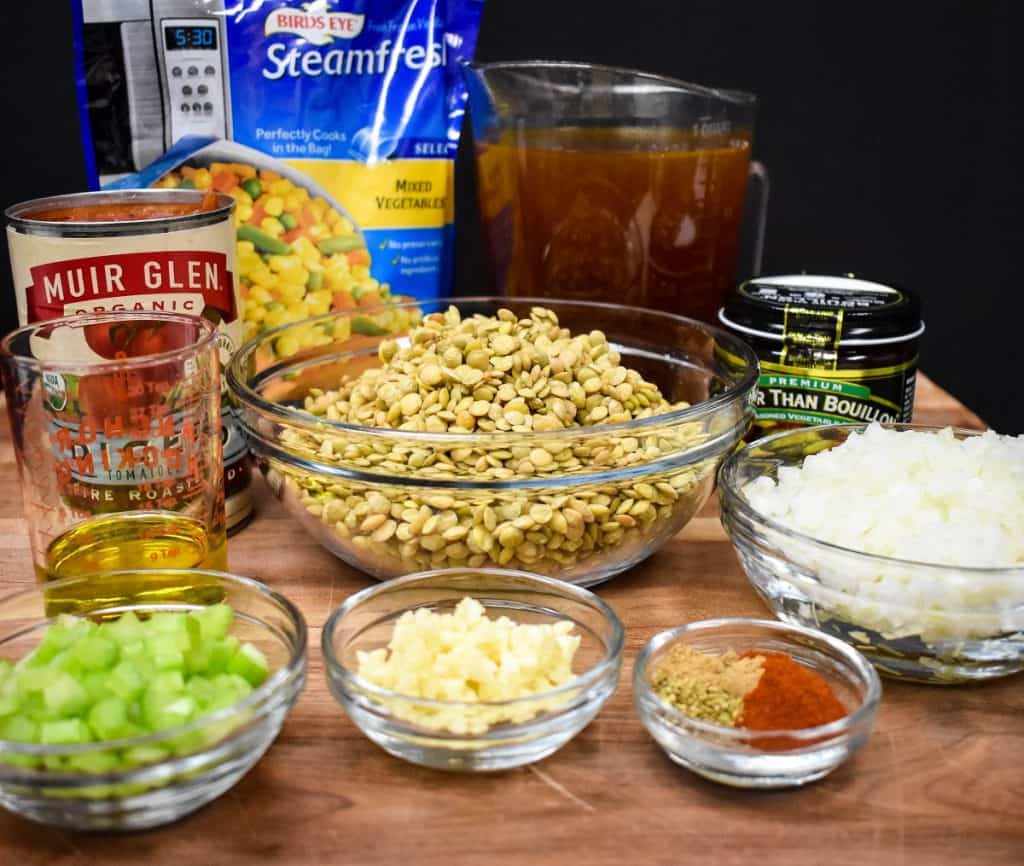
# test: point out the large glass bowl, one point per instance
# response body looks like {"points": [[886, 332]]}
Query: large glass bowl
{"points": [[482, 736], [34, 779], [914, 620], [391, 502]]}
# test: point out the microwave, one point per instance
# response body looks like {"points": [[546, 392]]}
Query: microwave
{"points": [[154, 72]]}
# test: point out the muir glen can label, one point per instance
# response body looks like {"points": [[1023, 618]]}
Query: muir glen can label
{"points": [[137, 250]]}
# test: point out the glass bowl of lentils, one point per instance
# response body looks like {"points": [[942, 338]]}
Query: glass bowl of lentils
{"points": [[566, 438]]}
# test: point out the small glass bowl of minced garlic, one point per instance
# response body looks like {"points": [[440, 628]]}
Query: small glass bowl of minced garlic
{"points": [[474, 670], [755, 703]]}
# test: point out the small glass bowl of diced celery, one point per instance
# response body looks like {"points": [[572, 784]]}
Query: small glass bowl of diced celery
{"points": [[130, 699]]}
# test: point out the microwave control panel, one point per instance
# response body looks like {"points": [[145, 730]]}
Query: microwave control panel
{"points": [[193, 69]]}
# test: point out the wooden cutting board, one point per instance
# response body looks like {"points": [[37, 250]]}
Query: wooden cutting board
{"points": [[940, 782]]}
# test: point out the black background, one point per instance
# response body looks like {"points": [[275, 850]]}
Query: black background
{"points": [[890, 132]]}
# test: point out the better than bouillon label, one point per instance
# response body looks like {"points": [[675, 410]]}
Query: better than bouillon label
{"points": [[832, 350], [799, 396]]}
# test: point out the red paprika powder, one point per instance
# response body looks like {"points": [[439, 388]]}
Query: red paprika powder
{"points": [[788, 697]]}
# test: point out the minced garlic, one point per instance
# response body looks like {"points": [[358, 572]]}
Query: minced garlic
{"points": [[468, 657]]}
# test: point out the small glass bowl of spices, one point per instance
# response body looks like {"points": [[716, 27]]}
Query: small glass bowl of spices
{"points": [[755, 703]]}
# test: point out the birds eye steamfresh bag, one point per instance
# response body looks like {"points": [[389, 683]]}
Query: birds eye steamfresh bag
{"points": [[333, 123]]}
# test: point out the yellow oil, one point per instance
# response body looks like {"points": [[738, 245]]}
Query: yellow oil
{"points": [[154, 548]]}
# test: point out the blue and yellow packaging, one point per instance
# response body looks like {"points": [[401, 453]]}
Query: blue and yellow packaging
{"points": [[333, 123]]}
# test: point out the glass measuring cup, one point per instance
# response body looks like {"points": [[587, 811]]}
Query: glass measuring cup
{"points": [[117, 430], [608, 184]]}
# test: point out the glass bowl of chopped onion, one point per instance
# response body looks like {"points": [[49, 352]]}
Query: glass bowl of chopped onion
{"points": [[564, 438], [905, 541], [756, 756], [130, 699], [472, 669]]}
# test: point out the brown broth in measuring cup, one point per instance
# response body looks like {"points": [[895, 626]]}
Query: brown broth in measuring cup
{"points": [[635, 216]]}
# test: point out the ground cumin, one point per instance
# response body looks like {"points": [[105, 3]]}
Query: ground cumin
{"points": [[705, 686]]}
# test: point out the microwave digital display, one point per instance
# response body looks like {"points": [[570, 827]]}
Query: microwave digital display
{"points": [[191, 37]]}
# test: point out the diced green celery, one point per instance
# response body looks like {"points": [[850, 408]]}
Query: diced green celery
{"points": [[95, 653], [125, 629], [68, 662], [250, 664], [55, 762], [60, 633], [160, 704], [25, 762], [167, 682], [126, 681], [167, 621], [139, 756], [96, 684], [19, 729], [211, 656], [189, 742], [66, 631], [230, 689], [164, 652], [105, 761], [221, 653], [214, 621], [66, 696], [10, 700], [169, 711], [197, 660], [33, 705], [40, 657], [214, 732], [137, 654], [202, 690], [36, 679], [130, 728], [109, 719], [64, 732]]}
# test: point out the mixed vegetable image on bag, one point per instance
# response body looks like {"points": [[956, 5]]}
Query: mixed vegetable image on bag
{"points": [[297, 255]]}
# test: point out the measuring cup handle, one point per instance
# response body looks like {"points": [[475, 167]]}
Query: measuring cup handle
{"points": [[759, 173]]}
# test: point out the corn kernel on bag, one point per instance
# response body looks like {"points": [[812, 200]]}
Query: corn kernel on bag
{"points": [[333, 124]]}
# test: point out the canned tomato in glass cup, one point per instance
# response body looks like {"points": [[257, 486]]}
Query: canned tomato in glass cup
{"points": [[132, 251], [116, 425]]}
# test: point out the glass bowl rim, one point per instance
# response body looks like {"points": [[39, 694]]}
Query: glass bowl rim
{"points": [[733, 499], [731, 96], [204, 340], [582, 683], [266, 690], [245, 394], [864, 670]]}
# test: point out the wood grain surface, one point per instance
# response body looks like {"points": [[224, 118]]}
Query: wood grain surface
{"points": [[940, 782]]}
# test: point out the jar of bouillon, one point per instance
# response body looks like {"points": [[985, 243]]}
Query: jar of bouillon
{"points": [[833, 350]]}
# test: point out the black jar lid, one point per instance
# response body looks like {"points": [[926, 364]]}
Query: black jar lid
{"points": [[850, 310]]}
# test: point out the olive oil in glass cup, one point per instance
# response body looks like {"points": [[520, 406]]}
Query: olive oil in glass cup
{"points": [[117, 431]]}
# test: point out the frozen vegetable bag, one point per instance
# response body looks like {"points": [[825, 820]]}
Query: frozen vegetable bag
{"points": [[334, 124]]}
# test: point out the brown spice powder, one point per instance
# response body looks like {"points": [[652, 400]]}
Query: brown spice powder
{"points": [[728, 671]]}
